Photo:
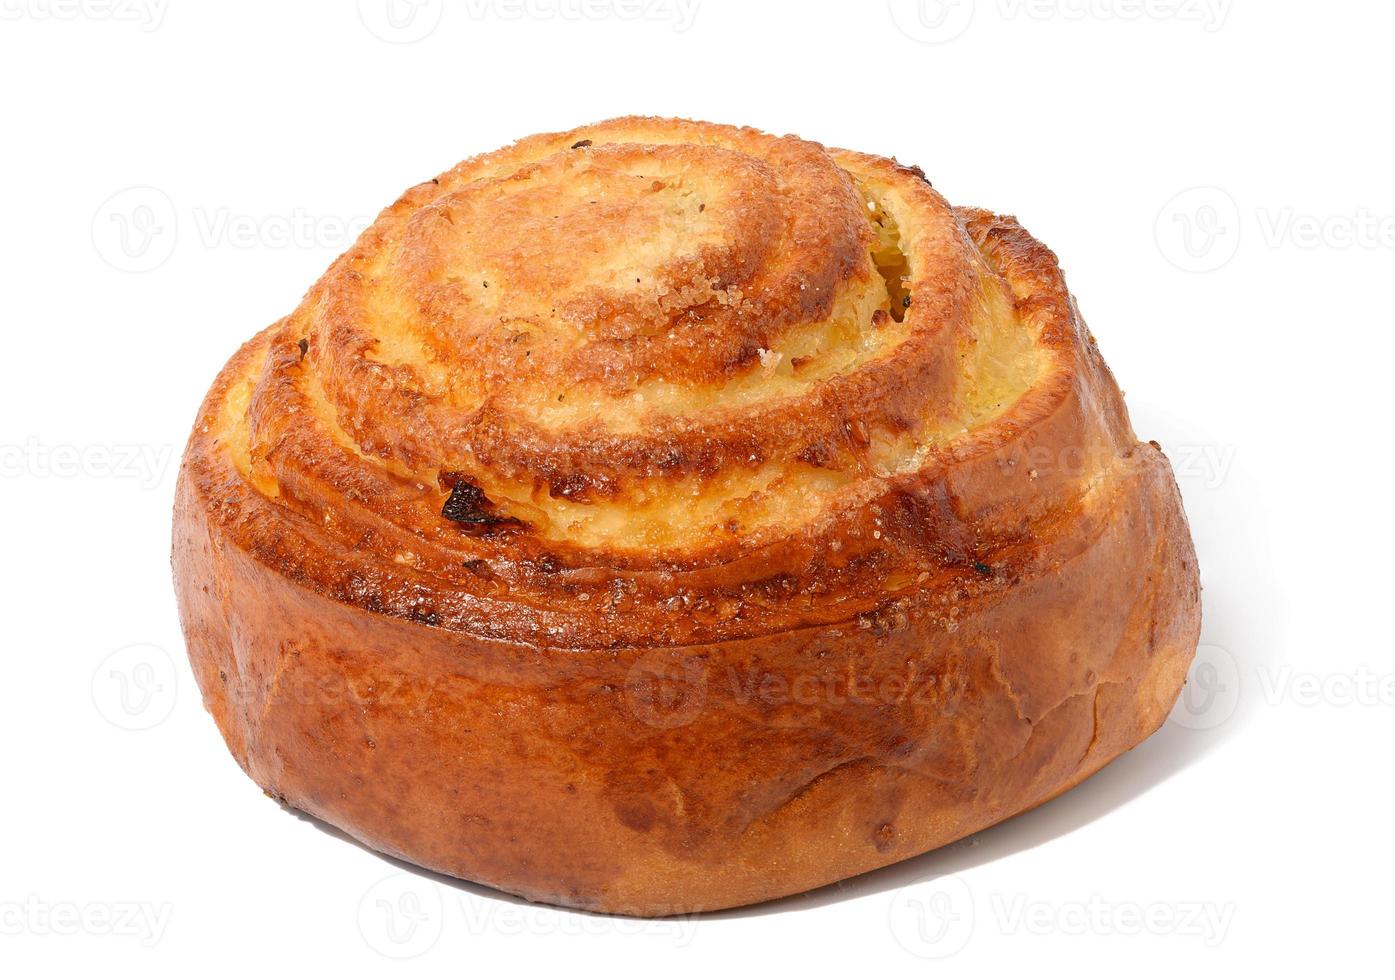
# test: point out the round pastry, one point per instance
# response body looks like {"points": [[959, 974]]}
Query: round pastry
{"points": [[664, 516]]}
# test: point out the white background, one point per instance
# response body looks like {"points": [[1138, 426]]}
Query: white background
{"points": [[1216, 177]]}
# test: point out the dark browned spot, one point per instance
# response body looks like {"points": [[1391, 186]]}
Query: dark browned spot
{"points": [[636, 814]]}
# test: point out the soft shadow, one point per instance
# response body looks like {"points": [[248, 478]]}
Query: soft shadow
{"points": [[1168, 752], [1144, 768], [1148, 766]]}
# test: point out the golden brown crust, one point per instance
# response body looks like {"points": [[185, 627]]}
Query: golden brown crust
{"points": [[663, 516]]}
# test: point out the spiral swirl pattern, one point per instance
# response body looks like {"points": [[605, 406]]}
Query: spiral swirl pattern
{"points": [[678, 367], [663, 516]]}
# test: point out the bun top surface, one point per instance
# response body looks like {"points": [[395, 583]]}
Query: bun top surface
{"points": [[651, 361]]}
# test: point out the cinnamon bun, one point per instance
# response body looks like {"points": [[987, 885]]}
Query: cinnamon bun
{"points": [[664, 516]]}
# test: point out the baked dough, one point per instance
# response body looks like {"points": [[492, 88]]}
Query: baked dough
{"points": [[664, 516]]}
